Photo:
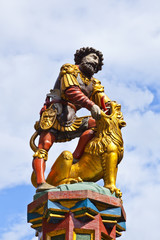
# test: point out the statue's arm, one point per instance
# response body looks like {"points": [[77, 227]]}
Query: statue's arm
{"points": [[75, 96]]}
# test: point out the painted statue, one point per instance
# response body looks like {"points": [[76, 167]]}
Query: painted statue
{"points": [[100, 146]]}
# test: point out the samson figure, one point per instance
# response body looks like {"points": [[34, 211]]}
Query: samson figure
{"points": [[75, 88]]}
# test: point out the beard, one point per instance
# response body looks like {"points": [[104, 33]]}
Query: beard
{"points": [[88, 68]]}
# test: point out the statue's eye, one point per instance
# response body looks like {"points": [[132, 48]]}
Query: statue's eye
{"points": [[94, 57]]}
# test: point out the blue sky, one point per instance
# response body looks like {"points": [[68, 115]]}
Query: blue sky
{"points": [[37, 37]]}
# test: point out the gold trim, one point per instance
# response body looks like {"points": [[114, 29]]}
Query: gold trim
{"points": [[69, 79], [35, 219], [63, 80], [59, 210], [59, 127], [68, 204], [109, 221], [36, 225], [54, 215], [55, 233], [56, 124], [120, 234], [62, 129], [86, 80], [68, 75], [42, 154], [110, 215], [84, 214], [105, 237], [32, 142], [84, 231], [39, 210], [73, 79], [120, 228], [79, 209], [73, 127], [69, 129]]}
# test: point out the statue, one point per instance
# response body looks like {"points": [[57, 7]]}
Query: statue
{"points": [[100, 146], [101, 155]]}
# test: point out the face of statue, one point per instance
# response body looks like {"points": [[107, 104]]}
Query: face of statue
{"points": [[89, 64]]}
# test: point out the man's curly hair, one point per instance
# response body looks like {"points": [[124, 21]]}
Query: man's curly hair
{"points": [[82, 52]]}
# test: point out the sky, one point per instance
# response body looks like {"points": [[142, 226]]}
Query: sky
{"points": [[37, 38]]}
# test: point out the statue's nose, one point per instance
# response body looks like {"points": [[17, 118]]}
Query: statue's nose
{"points": [[94, 61]]}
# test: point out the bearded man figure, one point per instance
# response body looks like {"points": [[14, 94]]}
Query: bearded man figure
{"points": [[75, 88]]}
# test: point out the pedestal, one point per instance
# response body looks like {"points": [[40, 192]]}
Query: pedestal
{"points": [[80, 211]]}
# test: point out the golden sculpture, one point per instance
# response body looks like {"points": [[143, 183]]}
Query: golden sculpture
{"points": [[100, 145], [100, 158]]}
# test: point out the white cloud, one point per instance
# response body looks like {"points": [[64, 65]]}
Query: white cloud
{"points": [[143, 210], [131, 97], [36, 39], [139, 175], [127, 32], [18, 230]]}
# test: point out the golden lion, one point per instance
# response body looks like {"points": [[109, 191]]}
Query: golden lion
{"points": [[100, 158]]}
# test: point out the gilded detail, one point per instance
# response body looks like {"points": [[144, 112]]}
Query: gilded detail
{"points": [[68, 77], [86, 80], [41, 153], [69, 69], [48, 118]]}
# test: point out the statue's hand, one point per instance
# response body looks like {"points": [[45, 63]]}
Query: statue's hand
{"points": [[96, 112]]}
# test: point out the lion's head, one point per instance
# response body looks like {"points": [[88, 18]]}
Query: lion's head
{"points": [[108, 131]]}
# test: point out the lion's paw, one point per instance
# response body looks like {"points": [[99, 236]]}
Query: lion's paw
{"points": [[71, 180], [75, 180], [113, 189], [118, 193]]}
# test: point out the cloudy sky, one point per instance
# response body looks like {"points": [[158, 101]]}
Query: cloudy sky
{"points": [[36, 38]]}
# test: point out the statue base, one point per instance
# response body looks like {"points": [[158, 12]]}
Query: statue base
{"points": [[79, 211]]}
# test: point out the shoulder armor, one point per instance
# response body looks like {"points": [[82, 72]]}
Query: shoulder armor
{"points": [[69, 69], [68, 76]]}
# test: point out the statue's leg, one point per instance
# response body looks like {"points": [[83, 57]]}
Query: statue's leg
{"points": [[45, 142], [84, 139]]}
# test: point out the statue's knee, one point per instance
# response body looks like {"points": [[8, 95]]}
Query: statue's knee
{"points": [[47, 144], [46, 140], [66, 155]]}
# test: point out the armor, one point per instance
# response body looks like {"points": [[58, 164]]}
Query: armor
{"points": [[71, 92]]}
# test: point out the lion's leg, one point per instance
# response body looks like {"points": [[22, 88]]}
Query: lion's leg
{"points": [[110, 161], [61, 169]]}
